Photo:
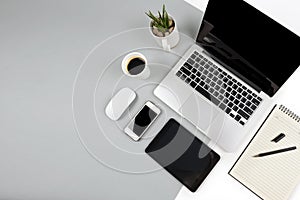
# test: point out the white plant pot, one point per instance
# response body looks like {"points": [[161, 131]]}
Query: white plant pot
{"points": [[167, 42]]}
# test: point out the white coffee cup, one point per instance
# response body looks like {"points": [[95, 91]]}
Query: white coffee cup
{"points": [[132, 65]]}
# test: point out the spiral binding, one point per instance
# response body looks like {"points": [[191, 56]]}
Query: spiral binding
{"points": [[289, 113]]}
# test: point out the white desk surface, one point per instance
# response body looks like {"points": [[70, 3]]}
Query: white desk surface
{"points": [[219, 185]]}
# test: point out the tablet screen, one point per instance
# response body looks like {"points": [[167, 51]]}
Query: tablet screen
{"points": [[182, 154]]}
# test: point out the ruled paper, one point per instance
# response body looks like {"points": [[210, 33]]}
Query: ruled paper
{"points": [[275, 176]]}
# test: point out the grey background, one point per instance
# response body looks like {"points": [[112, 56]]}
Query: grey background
{"points": [[43, 44]]}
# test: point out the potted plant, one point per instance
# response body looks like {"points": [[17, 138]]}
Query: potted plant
{"points": [[164, 29]]}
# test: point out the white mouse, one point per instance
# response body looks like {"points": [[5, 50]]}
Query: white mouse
{"points": [[119, 103]]}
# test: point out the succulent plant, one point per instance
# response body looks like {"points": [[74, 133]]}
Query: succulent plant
{"points": [[162, 24]]}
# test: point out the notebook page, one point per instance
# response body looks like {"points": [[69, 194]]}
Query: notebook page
{"points": [[274, 176]]}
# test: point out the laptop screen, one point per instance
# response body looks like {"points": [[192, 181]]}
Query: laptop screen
{"points": [[250, 44]]}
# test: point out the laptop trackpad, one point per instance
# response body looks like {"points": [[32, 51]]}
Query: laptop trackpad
{"points": [[199, 112]]}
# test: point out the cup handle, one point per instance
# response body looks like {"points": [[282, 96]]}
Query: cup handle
{"points": [[165, 45]]}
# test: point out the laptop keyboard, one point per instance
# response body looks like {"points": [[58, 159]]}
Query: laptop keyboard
{"points": [[219, 87]]}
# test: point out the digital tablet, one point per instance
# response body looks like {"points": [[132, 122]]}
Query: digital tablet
{"points": [[182, 154]]}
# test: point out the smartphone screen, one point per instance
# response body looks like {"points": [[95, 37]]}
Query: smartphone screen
{"points": [[142, 120]]}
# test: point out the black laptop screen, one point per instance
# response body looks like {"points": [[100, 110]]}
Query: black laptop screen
{"points": [[250, 44]]}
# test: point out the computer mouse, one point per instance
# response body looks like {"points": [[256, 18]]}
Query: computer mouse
{"points": [[119, 103]]}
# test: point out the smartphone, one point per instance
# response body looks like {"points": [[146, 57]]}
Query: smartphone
{"points": [[142, 121]]}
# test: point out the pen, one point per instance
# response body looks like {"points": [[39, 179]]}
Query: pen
{"points": [[276, 151]]}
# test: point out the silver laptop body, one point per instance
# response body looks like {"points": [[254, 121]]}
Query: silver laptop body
{"points": [[203, 109]]}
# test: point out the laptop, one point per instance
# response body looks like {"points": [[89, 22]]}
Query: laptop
{"points": [[225, 82]]}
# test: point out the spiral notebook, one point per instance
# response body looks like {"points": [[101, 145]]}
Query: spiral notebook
{"points": [[272, 177]]}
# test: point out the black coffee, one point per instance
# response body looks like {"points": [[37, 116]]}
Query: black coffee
{"points": [[136, 66]]}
